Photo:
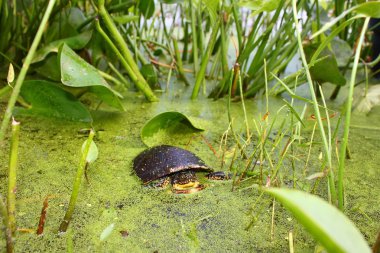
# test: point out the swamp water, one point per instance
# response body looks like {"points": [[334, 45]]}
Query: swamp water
{"points": [[150, 220]]}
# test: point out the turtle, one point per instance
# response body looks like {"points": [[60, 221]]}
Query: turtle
{"points": [[162, 164]]}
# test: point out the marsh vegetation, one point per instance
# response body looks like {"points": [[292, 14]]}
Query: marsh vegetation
{"points": [[270, 92]]}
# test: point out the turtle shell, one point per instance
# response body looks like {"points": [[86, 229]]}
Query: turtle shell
{"points": [[164, 160]]}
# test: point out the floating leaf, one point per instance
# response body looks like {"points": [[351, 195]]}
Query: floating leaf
{"points": [[76, 72], [167, 125], [107, 232], [325, 222], [75, 42], [92, 152], [47, 99]]}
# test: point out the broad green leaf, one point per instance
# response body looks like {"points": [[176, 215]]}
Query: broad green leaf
{"points": [[342, 51], [325, 70], [167, 126], [76, 72], [49, 68], [325, 222], [75, 42], [48, 99], [92, 152], [258, 6], [67, 24], [370, 9], [146, 7]]}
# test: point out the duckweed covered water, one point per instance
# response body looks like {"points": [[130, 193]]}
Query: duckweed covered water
{"points": [[151, 220]]}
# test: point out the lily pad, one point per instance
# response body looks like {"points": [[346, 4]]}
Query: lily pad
{"points": [[325, 222], [75, 42], [48, 99], [76, 72], [167, 126]]}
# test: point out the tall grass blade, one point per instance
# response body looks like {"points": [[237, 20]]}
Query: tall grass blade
{"points": [[343, 147]]}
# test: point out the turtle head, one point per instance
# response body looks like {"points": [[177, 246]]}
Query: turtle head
{"points": [[184, 182]]}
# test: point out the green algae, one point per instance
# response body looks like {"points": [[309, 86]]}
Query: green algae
{"points": [[213, 220]]}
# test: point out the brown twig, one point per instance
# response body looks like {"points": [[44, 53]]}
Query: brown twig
{"points": [[41, 223]]}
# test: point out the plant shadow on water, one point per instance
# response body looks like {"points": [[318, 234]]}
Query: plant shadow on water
{"points": [[145, 219]]}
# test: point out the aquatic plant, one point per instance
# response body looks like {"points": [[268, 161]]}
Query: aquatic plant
{"points": [[70, 58], [324, 221], [89, 154]]}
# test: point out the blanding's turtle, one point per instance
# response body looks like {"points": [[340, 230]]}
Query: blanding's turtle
{"points": [[164, 163]]}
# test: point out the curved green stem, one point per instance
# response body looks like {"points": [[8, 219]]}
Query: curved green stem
{"points": [[140, 82], [342, 153], [326, 145], [77, 182]]}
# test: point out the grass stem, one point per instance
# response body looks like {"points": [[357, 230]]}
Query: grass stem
{"points": [[205, 61], [11, 199], [342, 154], [194, 36], [315, 104], [5, 227], [76, 186], [139, 80]]}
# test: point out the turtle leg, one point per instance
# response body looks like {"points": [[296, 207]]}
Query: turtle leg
{"points": [[159, 183], [219, 175]]}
